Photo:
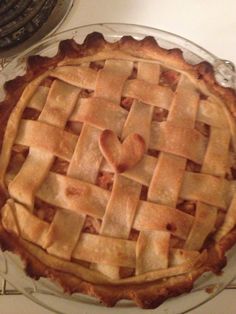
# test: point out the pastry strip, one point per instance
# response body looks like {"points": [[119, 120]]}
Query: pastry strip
{"points": [[180, 143], [98, 278], [30, 227], [184, 107], [206, 188], [111, 79], [88, 110], [216, 160], [230, 221], [79, 76], [13, 123], [50, 138], [141, 114], [204, 223], [151, 94], [143, 171], [105, 250], [209, 112], [86, 78], [69, 193], [121, 208], [212, 114], [86, 155], [110, 84], [170, 137], [90, 248], [152, 251], [169, 172], [63, 233], [39, 98], [163, 218], [27, 181]]}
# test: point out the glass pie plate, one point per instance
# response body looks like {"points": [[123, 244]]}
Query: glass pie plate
{"points": [[50, 295]]}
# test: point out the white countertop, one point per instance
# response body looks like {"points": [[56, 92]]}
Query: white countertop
{"points": [[209, 23]]}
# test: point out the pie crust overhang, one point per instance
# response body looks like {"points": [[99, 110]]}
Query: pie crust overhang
{"points": [[144, 231]]}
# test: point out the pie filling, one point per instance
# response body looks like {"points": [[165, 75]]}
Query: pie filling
{"points": [[122, 166]]}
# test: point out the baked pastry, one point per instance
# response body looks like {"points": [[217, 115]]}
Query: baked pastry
{"points": [[117, 170]]}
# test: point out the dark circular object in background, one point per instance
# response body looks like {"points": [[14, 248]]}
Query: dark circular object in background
{"points": [[13, 11], [24, 18], [21, 20], [26, 30], [6, 4]]}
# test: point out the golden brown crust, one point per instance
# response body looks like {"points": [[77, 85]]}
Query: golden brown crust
{"points": [[149, 295], [94, 43]]}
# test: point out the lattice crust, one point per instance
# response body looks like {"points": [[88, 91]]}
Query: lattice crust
{"points": [[139, 220]]}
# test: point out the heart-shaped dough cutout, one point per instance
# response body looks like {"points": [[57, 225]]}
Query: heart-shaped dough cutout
{"points": [[122, 156]]}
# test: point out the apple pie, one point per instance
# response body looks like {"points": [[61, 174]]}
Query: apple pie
{"points": [[118, 170]]}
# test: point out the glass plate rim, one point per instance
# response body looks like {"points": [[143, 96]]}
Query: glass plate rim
{"points": [[224, 69], [56, 34]]}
